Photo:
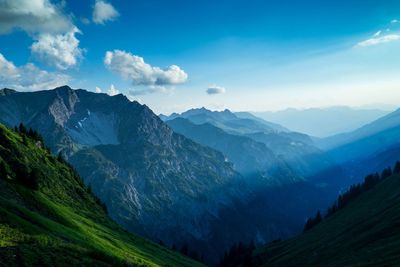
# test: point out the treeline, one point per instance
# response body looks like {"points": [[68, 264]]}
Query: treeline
{"points": [[370, 181], [29, 176], [185, 250], [25, 132], [22, 174], [238, 255], [17, 170]]}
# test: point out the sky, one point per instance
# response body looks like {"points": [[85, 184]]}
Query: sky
{"points": [[174, 55]]}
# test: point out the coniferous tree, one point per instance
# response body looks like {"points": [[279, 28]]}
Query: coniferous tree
{"points": [[386, 173], [60, 157], [3, 170], [22, 128], [24, 139], [354, 191], [238, 255], [311, 222], [185, 249], [33, 179], [30, 132], [396, 169], [318, 218]]}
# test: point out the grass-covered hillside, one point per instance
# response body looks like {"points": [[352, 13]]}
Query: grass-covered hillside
{"points": [[365, 232], [49, 218]]}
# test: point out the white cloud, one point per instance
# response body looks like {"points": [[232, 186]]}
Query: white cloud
{"points": [[112, 91], [61, 50], [32, 16], [134, 69], [378, 33], [103, 12], [394, 21], [7, 68], [214, 90], [85, 21], [376, 40], [28, 77], [51, 29]]}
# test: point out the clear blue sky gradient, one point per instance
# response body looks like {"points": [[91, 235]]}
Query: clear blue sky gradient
{"points": [[267, 54]]}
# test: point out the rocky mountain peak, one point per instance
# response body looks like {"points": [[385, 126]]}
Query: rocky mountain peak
{"points": [[7, 91]]}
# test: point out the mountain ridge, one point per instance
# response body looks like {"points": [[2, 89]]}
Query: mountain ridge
{"points": [[49, 218], [363, 233], [155, 182], [185, 188]]}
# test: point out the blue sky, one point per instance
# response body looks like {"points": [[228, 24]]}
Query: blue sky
{"points": [[248, 55]]}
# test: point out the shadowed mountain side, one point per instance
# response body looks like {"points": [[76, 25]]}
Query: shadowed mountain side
{"points": [[250, 158], [363, 233], [154, 181], [48, 217]]}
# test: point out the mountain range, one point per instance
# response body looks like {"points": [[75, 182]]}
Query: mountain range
{"points": [[155, 182], [369, 148], [48, 217], [282, 148], [201, 180], [323, 122]]}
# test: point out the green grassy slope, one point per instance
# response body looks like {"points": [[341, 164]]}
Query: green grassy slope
{"points": [[60, 223], [364, 233]]}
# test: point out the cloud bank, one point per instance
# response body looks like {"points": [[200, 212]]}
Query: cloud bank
{"points": [[53, 32], [32, 16], [28, 77]]}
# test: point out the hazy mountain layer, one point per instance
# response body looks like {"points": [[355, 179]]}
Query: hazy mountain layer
{"points": [[276, 151], [252, 159], [322, 122]]}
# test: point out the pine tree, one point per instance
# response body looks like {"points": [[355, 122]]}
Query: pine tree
{"points": [[386, 173], [24, 139], [185, 249], [3, 170], [396, 169], [311, 222], [33, 179], [60, 157], [22, 129], [30, 132], [318, 218]]}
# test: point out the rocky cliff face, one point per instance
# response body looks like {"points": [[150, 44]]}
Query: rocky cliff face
{"points": [[155, 182]]}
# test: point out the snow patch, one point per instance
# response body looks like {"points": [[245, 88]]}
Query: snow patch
{"points": [[96, 129]]}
